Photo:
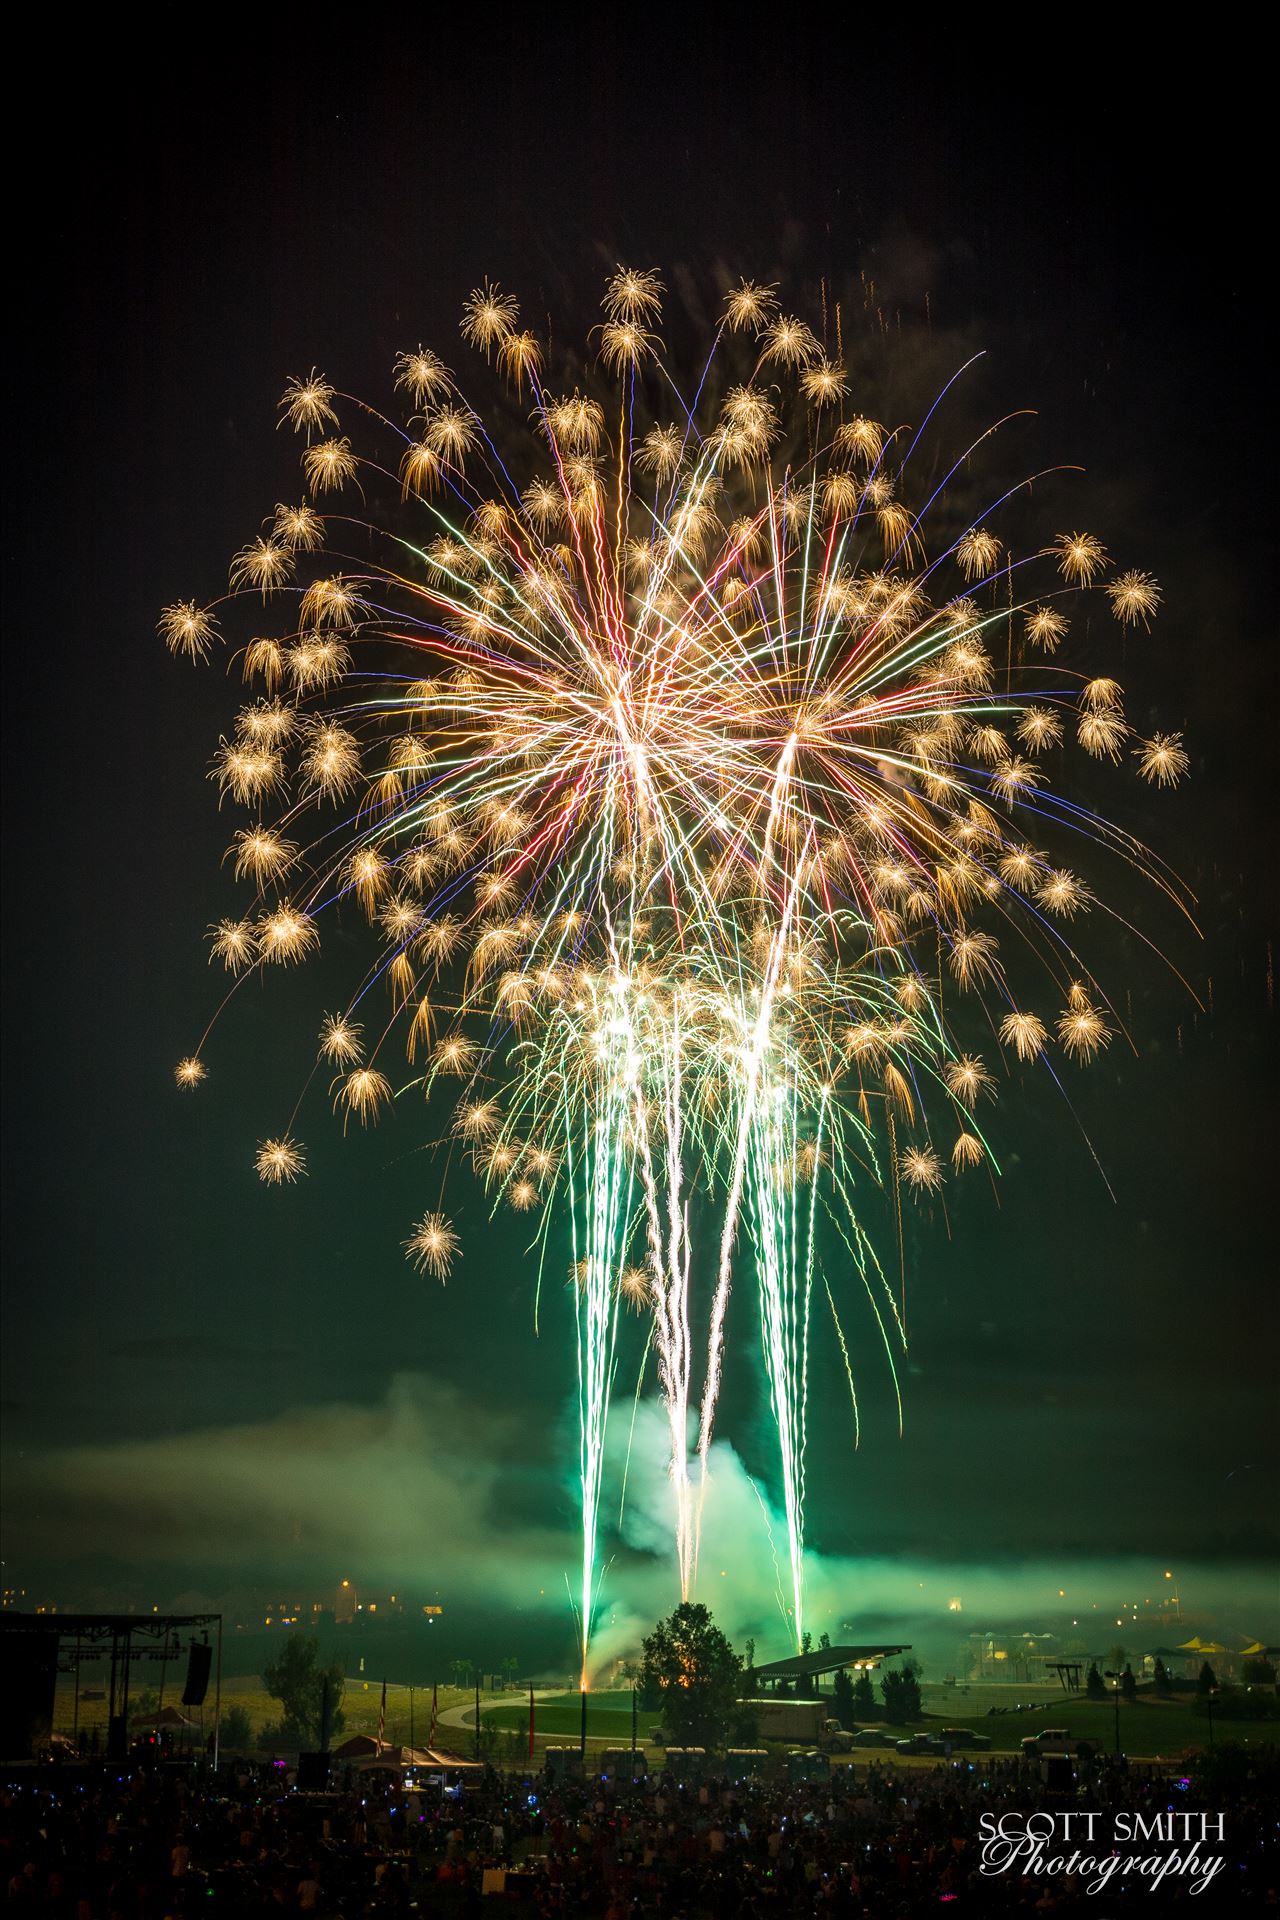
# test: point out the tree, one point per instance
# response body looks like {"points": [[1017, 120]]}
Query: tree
{"points": [[144, 1706], [235, 1734], [694, 1676], [1163, 1684], [1128, 1684], [1258, 1673], [297, 1680], [824, 1641], [864, 1697], [842, 1698], [750, 1669], [901, 1690], [806, 1643], [1095, 1686], [1206, 1680]]}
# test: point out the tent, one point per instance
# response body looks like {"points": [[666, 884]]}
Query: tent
{"points": [[363, 1751], [167, 1717]]}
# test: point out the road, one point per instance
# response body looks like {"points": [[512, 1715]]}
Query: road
{"points": [[465, 1716]]}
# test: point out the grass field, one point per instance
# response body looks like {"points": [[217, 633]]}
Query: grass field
{"points": [[1149, 1729], [608, 1717], [360, 1706]]}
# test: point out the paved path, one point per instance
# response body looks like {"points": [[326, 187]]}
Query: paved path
{"points": [[465, 1716]]}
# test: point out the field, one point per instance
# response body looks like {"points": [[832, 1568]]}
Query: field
{"points": [[1149, 1729], [560, 1717], [360, 1706]]}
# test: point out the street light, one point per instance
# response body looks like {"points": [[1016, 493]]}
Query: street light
{"points": [[1117, 1705], [1209, 1699]]}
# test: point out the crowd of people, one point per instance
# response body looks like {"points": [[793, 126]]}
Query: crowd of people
{"points": [[869, 1841]]}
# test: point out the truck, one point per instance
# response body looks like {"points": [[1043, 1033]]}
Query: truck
{"points": [[803, 1721], [1056, 1740]]}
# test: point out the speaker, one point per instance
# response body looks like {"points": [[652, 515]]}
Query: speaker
{"points": [[199, 1661], [313, 1772], [117, 1737]]}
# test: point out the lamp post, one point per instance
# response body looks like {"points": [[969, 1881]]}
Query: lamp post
{"points": [[1209, 1699], [1117, 1677]]}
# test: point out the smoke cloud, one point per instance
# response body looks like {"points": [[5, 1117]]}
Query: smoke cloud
{"points": [[416, 1489]]}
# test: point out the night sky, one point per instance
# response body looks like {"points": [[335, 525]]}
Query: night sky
{"points": [[1087, 1377]]}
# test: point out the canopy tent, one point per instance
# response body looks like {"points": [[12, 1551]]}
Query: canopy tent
{"points": [[167, 1717], [363, 1750]]}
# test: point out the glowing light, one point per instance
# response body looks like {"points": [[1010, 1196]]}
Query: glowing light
{"points": [[279, 1161], [432, 1246]]}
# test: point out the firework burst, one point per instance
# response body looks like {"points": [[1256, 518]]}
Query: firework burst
{"points": [[667, 760]]}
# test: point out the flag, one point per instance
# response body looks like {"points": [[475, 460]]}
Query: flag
{"points": [[431, 1730], [382, 1716], [531, 1724]]}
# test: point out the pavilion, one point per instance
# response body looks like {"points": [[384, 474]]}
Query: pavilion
{"points": [[811, 1667]]}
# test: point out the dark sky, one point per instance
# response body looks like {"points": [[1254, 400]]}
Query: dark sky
{"points": [[1085, 1375]]}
